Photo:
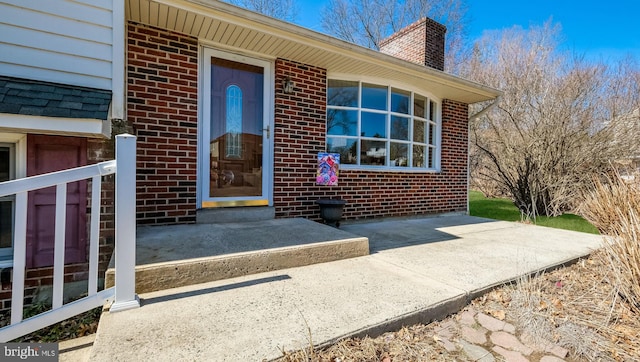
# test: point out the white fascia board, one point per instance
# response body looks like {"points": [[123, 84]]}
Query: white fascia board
{"points": [[82, 127]]}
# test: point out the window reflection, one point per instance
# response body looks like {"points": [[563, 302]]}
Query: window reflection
{"points": [[418, 131], [419, 156], [400, 101], [346, 147], [342, 93], [236, 130], [419, 105], [342, 122], [400, 128], [374, 96], [374, 125], [373, 153], [399, 154]]}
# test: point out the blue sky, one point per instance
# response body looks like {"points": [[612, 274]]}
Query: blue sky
{"points": [[601, 30]]}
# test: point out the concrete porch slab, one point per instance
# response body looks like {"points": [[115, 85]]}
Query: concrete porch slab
{"points": [[419, 270], [179, 255]]}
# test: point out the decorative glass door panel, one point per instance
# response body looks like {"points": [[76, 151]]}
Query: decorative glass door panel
{"points": [[236, 134]]}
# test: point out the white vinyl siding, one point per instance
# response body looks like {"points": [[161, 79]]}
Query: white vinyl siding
{"points": [[60, 41]]}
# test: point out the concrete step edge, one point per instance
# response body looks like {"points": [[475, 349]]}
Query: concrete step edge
{"points": [[172, 274]]}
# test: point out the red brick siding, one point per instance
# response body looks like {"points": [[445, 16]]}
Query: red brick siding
{"points": [[99, 151], [421, 42], [162, 109], [36, 278], [162, 95], [300, 134]]}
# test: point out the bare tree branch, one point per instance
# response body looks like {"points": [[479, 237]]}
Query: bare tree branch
{"points": [[367, 22], [281, 9], [560, 121]]}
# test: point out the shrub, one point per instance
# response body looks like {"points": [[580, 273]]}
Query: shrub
{"points": [[613, 206]]}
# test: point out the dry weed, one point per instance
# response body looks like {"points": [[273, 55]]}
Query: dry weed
{"points": [[577, 308], [613, 206], [529, 306]]}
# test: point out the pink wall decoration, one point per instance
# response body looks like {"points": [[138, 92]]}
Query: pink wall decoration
{"points": [[328, 166]]}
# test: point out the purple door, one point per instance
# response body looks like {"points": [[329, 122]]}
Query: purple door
{"points": [[48, 154]]}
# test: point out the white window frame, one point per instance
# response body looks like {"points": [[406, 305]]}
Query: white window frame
{"points": [[436, 122], [17, 143]]}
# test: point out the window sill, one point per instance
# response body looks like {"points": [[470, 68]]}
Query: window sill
{"points": [[387, 169]]}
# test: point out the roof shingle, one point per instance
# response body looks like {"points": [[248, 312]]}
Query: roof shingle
{"points": [[37, 98]]}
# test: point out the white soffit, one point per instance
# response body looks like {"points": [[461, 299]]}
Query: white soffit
{"points": [[234, 28]]}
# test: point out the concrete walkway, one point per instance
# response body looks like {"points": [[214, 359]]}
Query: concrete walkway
{"points": [[419, 270]]}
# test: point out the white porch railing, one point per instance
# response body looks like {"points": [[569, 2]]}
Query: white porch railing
{"points": [[124, 167]]}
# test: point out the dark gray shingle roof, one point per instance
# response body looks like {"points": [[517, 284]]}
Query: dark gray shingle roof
{"points": [[36, 98]]}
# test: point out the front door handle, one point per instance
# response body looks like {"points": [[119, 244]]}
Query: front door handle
{"points": [[268, 131]]}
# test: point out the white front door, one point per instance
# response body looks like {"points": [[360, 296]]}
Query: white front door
{"points": [[236, 125]]}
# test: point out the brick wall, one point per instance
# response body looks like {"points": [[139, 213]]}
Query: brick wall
{"points": [[35, 279], [162, 99], [100, 151], [300, 134], [421, 42]]}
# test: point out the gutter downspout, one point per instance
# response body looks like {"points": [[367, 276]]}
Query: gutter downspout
{"points": [[472, 117]]}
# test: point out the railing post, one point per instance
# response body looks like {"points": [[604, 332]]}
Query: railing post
{"points": [[125, 248]]}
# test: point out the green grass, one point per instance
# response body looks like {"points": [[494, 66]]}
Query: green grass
{"points": [[504, 209]]}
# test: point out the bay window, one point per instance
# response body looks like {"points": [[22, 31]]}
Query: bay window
{"points": [[380, 126]]}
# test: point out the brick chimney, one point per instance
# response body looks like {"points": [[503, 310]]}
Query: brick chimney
{"points": [[421, 42]]}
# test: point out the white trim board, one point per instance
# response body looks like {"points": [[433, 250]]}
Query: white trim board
{"points": [[83, 127]]}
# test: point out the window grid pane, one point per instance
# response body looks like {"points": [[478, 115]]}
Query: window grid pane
{"points": [[432, 134], [399, 154], [400, 128], [419, 106], [419, 156], [6, 223], [400, 101], [342, 122], [342, 93], [346, 147], [373, 153], [373, 125], [5, 163], [432, 111], [432, 157], [374, 96], [419, 131]]}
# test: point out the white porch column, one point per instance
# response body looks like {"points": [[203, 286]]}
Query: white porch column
{"points": [[125, 223]]}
